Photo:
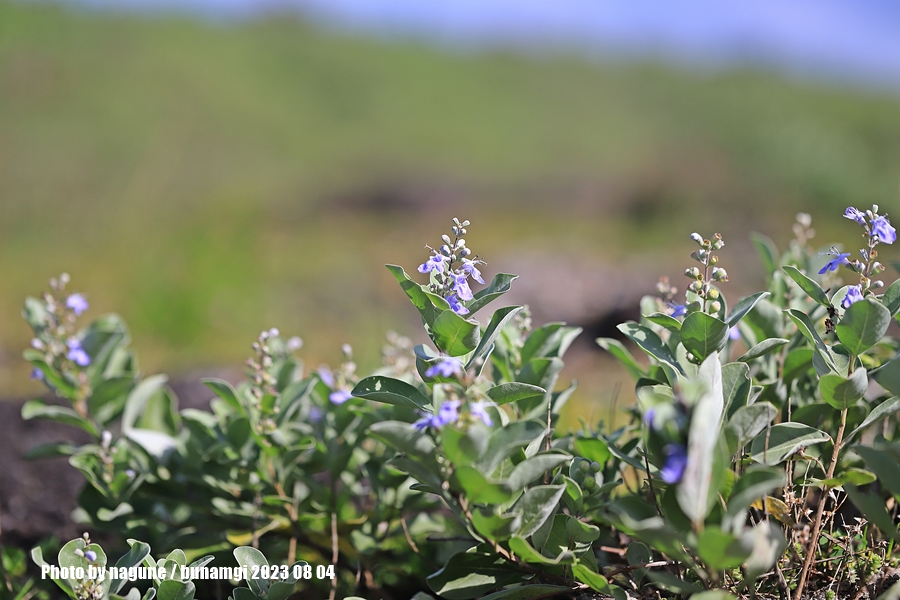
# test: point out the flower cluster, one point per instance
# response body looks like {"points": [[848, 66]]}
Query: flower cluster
{"points": [[450, 268], [56, 336], [448, 414], [877, 229], [341, 382], [701, 294]]}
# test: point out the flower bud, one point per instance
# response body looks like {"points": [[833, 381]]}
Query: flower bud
{"points": [[693, 306], [445, 250], [589, 483], [693, 273], [595, 467], [465, 252], [465, 223], [719, 274], [460, 243], [78, 552], [697, 238], [713, 259], [90, 555], [695, 286], [877, 267], [877, 284], [713, 294], [446, 238], [715, 307]]}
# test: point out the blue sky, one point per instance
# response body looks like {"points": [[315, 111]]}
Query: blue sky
{"points": [[846, 40]]}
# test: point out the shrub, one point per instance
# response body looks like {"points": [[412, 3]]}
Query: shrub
{"points": [[759, 461]]}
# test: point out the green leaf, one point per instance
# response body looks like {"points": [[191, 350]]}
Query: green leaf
{"points": [[812, 289], [173, 589], [714, 595], [223, 390], [801, 320], [528, 470], [767, 544], [404, 438], [463, 447], [455, 335], [549, 341], [883, 464], [498, 321], [664, 320], [494, 526], [853, 476], [471, 574], [621, 353], [873, 508], [888, 375], [249, 558], [841, 392], [755, 483], [37, 557], [863, 325], [736, 386], [478, 489], [506, 440], [424, 302], [588, 576], [529, 592], [499, 285], [138, 399], [784, 440], [797, 363], [36, 409], [888, 407], [768, 252], [703, 334], [536, 506], [526, 552], [593, 449], [721, 550], [748, 421], [891, 298], [650, 343], [762, 348], [391, 391], [694, 491], [743, 307], [514, 392]]}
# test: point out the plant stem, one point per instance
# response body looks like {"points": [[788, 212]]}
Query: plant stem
{"points": [[817, 524]]}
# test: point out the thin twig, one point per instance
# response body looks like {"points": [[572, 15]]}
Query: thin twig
{"points": [[817, 524], [334, 553]]}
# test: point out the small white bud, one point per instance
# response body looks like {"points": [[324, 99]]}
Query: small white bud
{"points": [[697, 238], [274, 332], [294, 343]]}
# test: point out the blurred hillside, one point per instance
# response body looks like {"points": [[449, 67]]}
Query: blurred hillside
{"points": [[207, 181]]}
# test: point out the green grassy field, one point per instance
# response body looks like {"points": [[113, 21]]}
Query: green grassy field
{"points": [[208, 181]]}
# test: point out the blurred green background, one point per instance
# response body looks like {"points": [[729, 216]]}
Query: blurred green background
{"points": [[208, 180]]}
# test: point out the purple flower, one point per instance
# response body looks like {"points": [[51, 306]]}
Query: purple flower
{"points": [[315, 414], [854, 215], [678, 310], [461, 287], [77, 304], [853, 295], [448, 413], [477, 410], [455, 305], [648, 417], [326, 376], [435, 263], [676, 461], [470, 268], [37, 374], [339, 396], [90, 555], [882, 228], [76, 353], [445, 367], [734, 333], [834, 263]]}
